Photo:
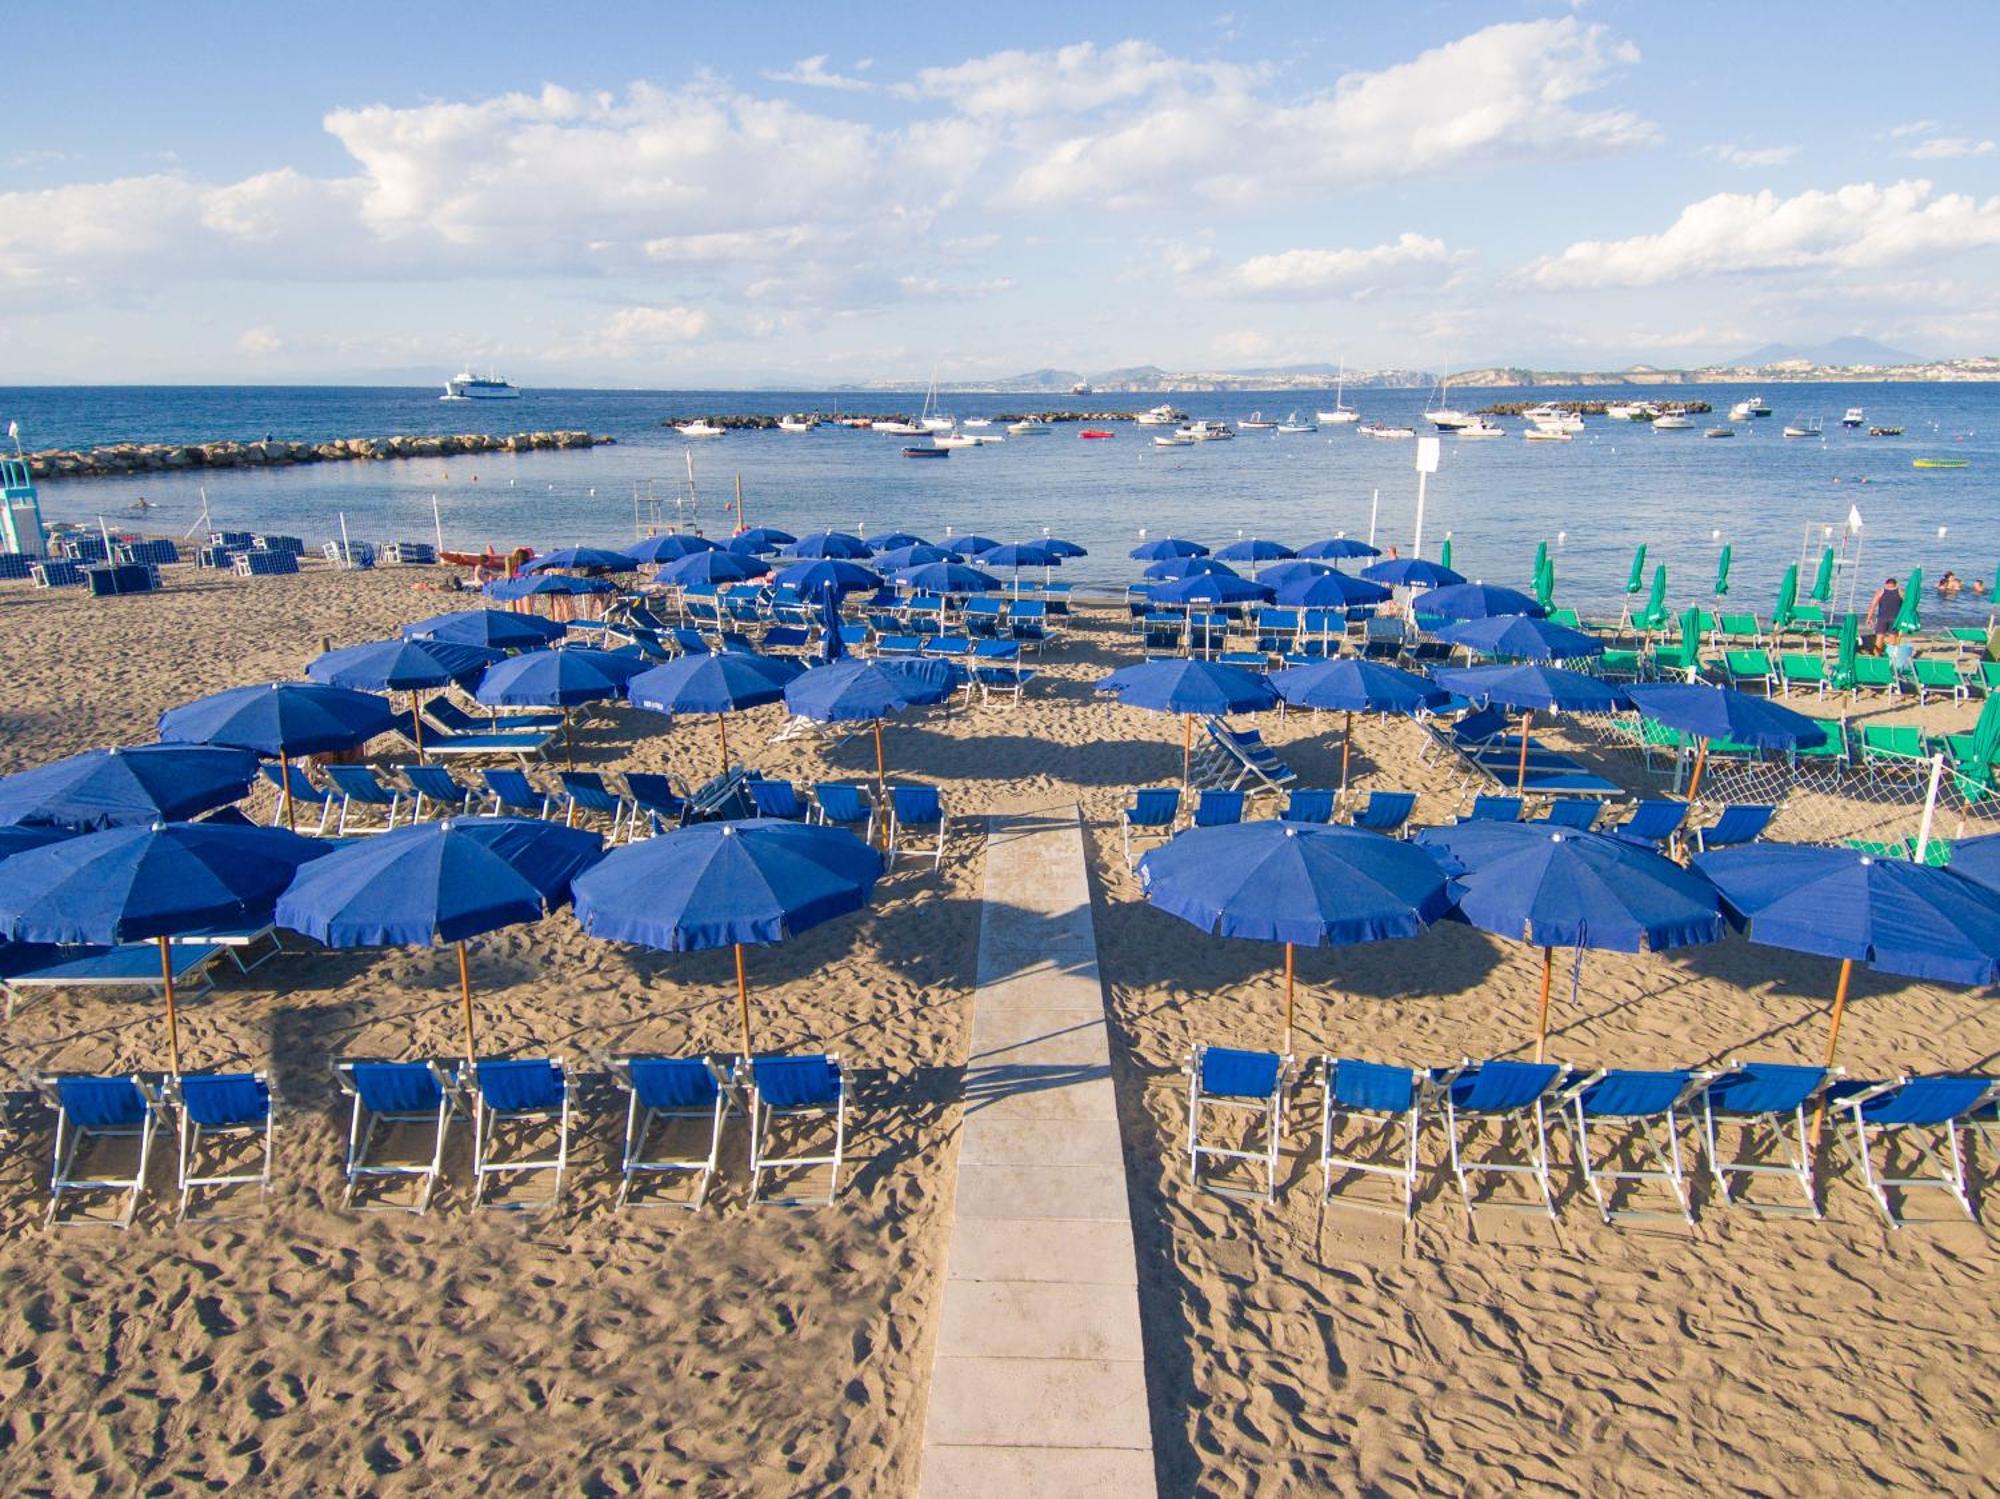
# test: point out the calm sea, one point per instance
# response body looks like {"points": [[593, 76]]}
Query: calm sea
{"points": [[1592, 499]]}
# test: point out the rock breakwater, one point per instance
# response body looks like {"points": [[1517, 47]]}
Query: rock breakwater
{"points": [[164, 457]]}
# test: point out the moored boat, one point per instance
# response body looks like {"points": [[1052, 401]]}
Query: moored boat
{"points": [[1096, 434]]}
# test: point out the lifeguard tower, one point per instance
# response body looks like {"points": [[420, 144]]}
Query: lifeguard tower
{"points": [[20, 511]]}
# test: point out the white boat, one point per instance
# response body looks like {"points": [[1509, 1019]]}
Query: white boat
{"points": [[1555, 418], [1545, 434], [1758, 406], [1206, 432], [898, 428], [976, 421], [1161, 416], [1720, 432], [1854, 417], [1621, 411], [1672, 421], [1292, 424], [1256, 421], [954, 440], [984, 439], [1803, 427], [1080, 388], [1174, 440], [466, 386], [1030, 428], [1478, 426], [1342, 413], [796, 424], [1740, 412], [700, 427], [1382, 429], [931, 419], [1446, 418]]}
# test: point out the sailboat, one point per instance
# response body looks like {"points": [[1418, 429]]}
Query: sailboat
{"points": [[1342, 413], [1446, 418], [932, 419]]}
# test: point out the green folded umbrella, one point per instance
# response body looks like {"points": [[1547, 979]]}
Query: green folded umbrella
{"points": [[1636, 579], [1545, 583], [1722, 569], [1907, 622], [1541, 559], [1444, 553], [1822, 589], [1788, 597], [1850, 646], [1654, 615]]}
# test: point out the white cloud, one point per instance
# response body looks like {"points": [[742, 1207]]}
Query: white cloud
{"points": [[810, 72], [260, 342], [1950, 148], [1852, 227], [1910, 128], [630, 327], [1752, 156], [1069, 80], [1303, 275]]}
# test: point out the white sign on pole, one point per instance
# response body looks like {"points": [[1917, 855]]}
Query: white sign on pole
{"points": [[1427, 454]]}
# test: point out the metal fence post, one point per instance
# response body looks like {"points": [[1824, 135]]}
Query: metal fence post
{"points": [[1930, 806]]}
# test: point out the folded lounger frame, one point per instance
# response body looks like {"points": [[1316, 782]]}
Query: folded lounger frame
{"points": [[794, 1087], [1253, 1082], [223, 1105], [660, 1090], [522, 1091], [1388, 1096], [1896, 1111], [1506, 1093], [99, 1108], [1639, 1101], [393, 1093], [1767, 1101]]}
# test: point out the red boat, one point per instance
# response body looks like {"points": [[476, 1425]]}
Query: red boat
{"points": [[1089, 434]]}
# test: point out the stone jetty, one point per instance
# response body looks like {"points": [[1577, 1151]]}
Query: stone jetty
{"points": [[167, 457]]}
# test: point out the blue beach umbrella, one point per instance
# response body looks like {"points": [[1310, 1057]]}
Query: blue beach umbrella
{"points": [[1978, 860], [1547, 689], [1331, 589], [150, 883], [1189, 688], [1333, 548], [1724, 713], [1411, 572], [1161, 548], [1256, 549], [1571, 889], [892, 562], [1520, 638], [1019, 554], [498, 629], [890, 541], [713, 567], [1349, 685], [947, 577], [1170, 569], [1061, 548], [760, 541], [712, 684], [817, 545], [842, 576], [725, 884], [581, 559], [19, 838], [1211, 588], [670, 546], [1302, 884], [1479, 601], [438, 882], [403, 666], [558, 679], [970, 546], [545, 585], [1278, 574], [852, 690], [113, 787], [281, 719]]}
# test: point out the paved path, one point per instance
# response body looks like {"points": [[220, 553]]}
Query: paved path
{"points": [[1039, 1388]]}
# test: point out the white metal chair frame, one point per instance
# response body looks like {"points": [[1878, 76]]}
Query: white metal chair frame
{"points": [[897, 828], [1385, 1121], [1671, 1172], [71, 1138], [1950, 1178], [1535, 1113], [192, 1134], [639, 1123], [763, 1114], [1796, 1160], [484, 1119], [359, 1140], [1271, 1106]]}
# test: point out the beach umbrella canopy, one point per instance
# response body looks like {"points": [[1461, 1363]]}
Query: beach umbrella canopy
{"points": [[1170, 569], [853, 690], [1278, 574], [1411, 572], [1520, 638], [1302, 884], [1907, 620], [760, 540], [1724, 713], [831, 647], [890, 541], [1334, 548], [947, 577], [1163, 547], [581, 559], [1478, 601], [1019, 554], [713, 567], [1060, 548], [1722, 562], [895, 561], [557, 678], [150, 883], [1822, 585], [720, 684], [19, 838], [496, 629], [829, 572], [1571, 889], [823, 544], [1636, 579], [401, 665], [435, 882], [540, 585], [1788, 597], [1211, 588], [971, 546], [1190, 688], [670, 546], [1255, 549], [280, 718], [724, 885], [1331, 589], [1350, 685], [1978, 860], [1532, 689], [113, 787]]}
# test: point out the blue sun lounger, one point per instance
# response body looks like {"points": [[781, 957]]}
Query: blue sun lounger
{"points": [[91, 1109], [388, 1095], [453, 719], [133, 965], [1504, 1093], [1737, 824], [1652, 823], [1219, 809], [226, 1106], [1154, 809], [514, 794], [794, 1088], [1309, 806], [1637, 1102], [1494, 809], [438, 786], [1226, 1079], [1385, 1095], [1577, 817], [778, 799], [518, 1091], [1239, 758], [357, 785], [304, 793], [1899, 1112], [920, 808], [842, 804], [1386, 811], [1763, 1100], [587, 791], [659, 1091]]}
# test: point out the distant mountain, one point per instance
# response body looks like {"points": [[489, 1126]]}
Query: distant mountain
{"points": [[1133, 377], [1043, 379], [1848, 351]]}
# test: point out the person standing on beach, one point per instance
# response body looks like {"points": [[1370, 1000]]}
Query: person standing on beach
{"points": [[1881, 618]]}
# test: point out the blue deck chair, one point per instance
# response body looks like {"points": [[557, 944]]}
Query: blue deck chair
{"points": [[917, 808], [1900, 1112], [304, 792], [1386, 1096], [1763, 1099], [1309, 806], [586, 791], [1505, 1093], [1237, 1082], [1386, 811], [1616, 1097], [1000, 676], [90, 1110], [1154, 809], [359, 786], [657, 795], [777, 799], [795, 1088], [1652, 823], [514, 793], [982, 617], [843, 804], [1219, 809], [660, 1091], [533, 1094], [899, 645], [447, 715], [1575, 816], [224, 1106], [1738, 824], [1494, 809], [387, 1096], [1028, 622], [786, 640], [444, 791]]}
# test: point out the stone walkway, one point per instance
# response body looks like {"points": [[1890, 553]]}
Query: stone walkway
{"points": [[1039, 1388]]}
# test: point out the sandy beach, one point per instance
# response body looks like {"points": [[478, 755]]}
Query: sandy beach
{"points": [[1291, 1348]]}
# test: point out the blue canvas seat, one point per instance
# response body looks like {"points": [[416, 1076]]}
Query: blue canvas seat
{"points": [[1504, 1094], [916, 809], [514, 794], [89, 1111], [1240, 757], [1218, 809], [1309, 806], [525, 1098], [1386, 1097], [305, 794], [1653, 823], [587, 791], [1900, 1114], [1154, 809], [1763, 1100], [453, 719], [1386, 811], [131, 965], [1001, 677], [359, 786], [661, 1090], [1223, 1079], [1637, 1103], [795, 1090], [1028, 623], [1577, 817], [224, 1107], [844, 805], [387, 1097], [659, 796], [1737, 824], [445, 793], [777, 799], [1494, 809]]}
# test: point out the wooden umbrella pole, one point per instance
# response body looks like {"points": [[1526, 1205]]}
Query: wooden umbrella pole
{"points": [[1542, 1016], [881, 769], [569, 743], [1346, 744], [1833, 1039], [1187, 749], [1288, 999], [743, 1001], [722, 733], [285, 789], [1694, 781], [465, 1002], [1527, 718], [173, 1018], [417, 723]]}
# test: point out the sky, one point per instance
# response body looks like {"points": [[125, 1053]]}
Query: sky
{"points": [[665, 195]]}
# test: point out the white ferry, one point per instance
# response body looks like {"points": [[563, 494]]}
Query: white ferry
{"points": [[466, 386]]}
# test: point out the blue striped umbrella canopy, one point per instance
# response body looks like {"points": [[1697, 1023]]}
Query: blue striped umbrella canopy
{"points": [[1163, 547], [501, 629], [1479, 601], [558, 678], [841, 576], [892, 562], [113, 787], [280, 718], [1019, 554], [1062, 548], [1350, 685], [947, 577], [713, 567], [1337, 547], [726, 884], [1278, 574], [821, 544], [1520, 638], [1331, 589], [1532, 688], [669, 547], [536, 585], [1191, 688], [581, 559], [1167, 569], [970, 546]]}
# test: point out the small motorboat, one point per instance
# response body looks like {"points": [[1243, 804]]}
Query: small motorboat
{"points": [[897, 428], [955, 440], [1293, 425], [1175, 440], [1672, 421], [1544, 434], [796, 424], [1096, 434], [1029, 427], [1885, 431], [1720, 432], [1480, 427], [701, 427], [1256, 421], [1383, 429], [1854, 417], [1207, 432], [1804, 427], [1161, 416], [1758, 406], [933, 451], [1740, 412]]}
